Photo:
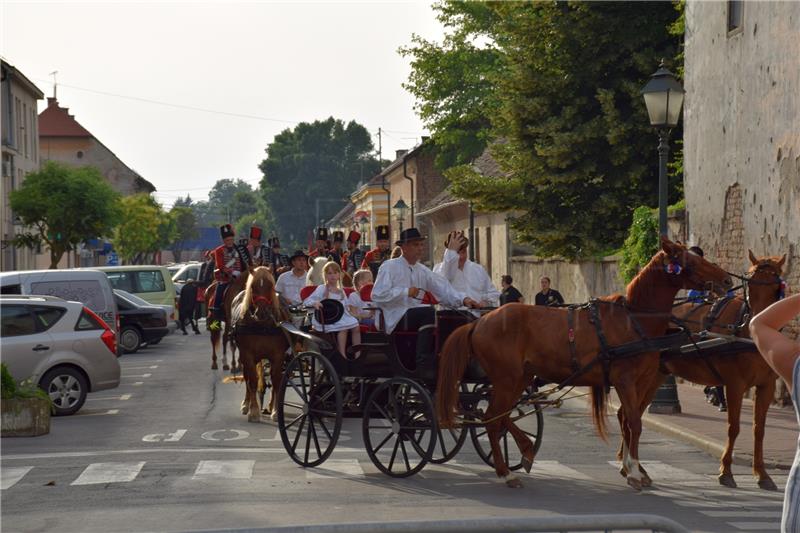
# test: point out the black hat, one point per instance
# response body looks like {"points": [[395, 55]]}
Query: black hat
{"points": [[382, 233], [332, 311], [410, 235], [296, 254], [226, 231], [322, 234], [274, 243], [338, 236]]}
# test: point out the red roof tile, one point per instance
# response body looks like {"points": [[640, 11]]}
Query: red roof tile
{"points": [[56, 121]]}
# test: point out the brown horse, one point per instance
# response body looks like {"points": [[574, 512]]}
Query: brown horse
{"points": [[256, 315], [517, 342], [739, 368], [223, 330]]}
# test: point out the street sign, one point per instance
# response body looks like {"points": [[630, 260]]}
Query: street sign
{"points": [[112, 259]]}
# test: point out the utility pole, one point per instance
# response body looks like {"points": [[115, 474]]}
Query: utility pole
{"points": [[380, 149]]}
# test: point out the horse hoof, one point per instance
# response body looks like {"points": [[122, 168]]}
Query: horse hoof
{"points": [[254, 417], [225, 367], [265, 411], [623, 472], [213, 366], [767, 484], [514, 483], [646, 481], [635, 483], [727, 480], [527, 464], [274, 416]]}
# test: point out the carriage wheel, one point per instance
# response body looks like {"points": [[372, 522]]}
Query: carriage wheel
{"points": [[449, 443], [399, 427], [511, 454], [309, 409]]}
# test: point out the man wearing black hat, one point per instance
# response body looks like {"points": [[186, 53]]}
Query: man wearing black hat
{"points": [[320, 244], [352, 258], [380, 253], [289, 283], [335, 253], [401, 285], [229, 264], [278, 261]]}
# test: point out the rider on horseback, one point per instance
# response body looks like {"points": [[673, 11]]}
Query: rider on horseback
{"points": [[229, 264]]}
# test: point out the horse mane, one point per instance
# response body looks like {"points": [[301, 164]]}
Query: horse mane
{"points": [[259, 275], [639, 290]]}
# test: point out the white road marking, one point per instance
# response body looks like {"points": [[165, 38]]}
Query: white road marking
{"points": [[743, 514], [165, 437], [9, 476], [661, 472], [335, 468], [212, 435], [109, 473], [554, 469], [139, 367], [137, 376], [122, 397], [137, 383], [224, 469], [728, 503], [756, 526]]}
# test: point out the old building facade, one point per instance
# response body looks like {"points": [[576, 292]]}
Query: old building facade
{"points": [[20, 151]]}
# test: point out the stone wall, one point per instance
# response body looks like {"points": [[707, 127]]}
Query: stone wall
{"points": [[576, 281]]}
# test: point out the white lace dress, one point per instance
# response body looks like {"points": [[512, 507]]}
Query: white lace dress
{"points": [[347, 321]]}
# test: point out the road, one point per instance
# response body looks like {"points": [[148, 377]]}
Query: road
{"points": [[169, 451]]}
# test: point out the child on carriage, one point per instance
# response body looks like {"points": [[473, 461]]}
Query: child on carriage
{"points": [[332, 289], [355, 305]]}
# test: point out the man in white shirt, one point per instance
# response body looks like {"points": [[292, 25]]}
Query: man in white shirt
{"points": [[403, 281], [289, 283], [468, 277]]}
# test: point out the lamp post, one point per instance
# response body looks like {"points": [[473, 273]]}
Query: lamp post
{"points": [[363, 226], [400, 209], [663, 96]]}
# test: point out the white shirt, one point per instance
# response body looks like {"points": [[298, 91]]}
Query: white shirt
{"points": [[396, 276], [289, 286], [472, 280]]}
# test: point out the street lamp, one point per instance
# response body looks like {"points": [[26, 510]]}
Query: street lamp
{"points": [[663, 96], [400, 209], [363, 226]]}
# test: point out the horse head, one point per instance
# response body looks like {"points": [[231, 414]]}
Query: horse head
{"points": [[315, 276], [259, 296], [691, 271], [765, 285]]}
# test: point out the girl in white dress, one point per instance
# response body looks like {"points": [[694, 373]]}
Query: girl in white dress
{"points": [[332, 289]]}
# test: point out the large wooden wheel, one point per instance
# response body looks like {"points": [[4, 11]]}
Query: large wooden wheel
{"points": [[309, 409], [399, 427]]}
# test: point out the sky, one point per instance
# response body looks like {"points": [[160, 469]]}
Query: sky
{"points": [[260, 66]]}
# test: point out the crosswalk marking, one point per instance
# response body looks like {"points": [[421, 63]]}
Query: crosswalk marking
{"points": [[727, 503], [336, 468], [224, 470], [756, 526], [743, 514], [554, 469], [661, 472], [10, 476], [108, 473]]}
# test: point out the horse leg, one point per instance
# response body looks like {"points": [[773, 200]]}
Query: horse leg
{"points": [[633, 418], [622, 450], [523, 442], [501, 401], [734, 395], [262, 384], [251, 382], [276, 377], [764, 395], [214, 341], [225, 348], [626, 437]]}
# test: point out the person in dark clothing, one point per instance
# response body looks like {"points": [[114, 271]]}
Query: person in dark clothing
{"points": [[186, 306], [510, 293], [548, 296]]}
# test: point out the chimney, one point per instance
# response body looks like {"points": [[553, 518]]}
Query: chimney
{"points": [[400, 153], [52, 102]]}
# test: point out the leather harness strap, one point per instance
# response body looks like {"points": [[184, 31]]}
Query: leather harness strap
{"points": [[571, 337]]}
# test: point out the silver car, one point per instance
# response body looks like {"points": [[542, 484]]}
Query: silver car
{"points": [[61, 345]]}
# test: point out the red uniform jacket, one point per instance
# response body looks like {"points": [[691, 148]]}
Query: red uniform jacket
{"points": [[375, 255], [226, 260]]}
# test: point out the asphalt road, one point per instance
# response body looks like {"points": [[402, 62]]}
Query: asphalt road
{"points": [[169, 451]]}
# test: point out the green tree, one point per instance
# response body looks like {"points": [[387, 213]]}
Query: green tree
{"points": [[62, 206], [310, 171], [145, 229], [185, 229]]}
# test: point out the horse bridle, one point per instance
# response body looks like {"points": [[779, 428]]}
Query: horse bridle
{"points": [[748, 279]]}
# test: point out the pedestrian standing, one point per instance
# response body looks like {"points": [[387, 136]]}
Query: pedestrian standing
{"points": [[548, 296], [510, 293], [186, 306], [783, 355]]}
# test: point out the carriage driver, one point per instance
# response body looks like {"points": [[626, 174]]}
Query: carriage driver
{"points": [[401, 286], [229, 264]]}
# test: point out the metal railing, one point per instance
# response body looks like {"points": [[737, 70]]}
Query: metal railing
{"points": [[563, 523]]}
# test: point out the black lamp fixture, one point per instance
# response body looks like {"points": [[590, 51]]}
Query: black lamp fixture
{"points": [[400, 209]]}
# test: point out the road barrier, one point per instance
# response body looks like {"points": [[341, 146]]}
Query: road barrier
{"points": [[563, 523]]}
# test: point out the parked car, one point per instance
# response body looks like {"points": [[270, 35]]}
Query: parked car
{"points": [[172, 324], [139, 324], [187, 271], [174, 268], [90, 287], [63, 346]]}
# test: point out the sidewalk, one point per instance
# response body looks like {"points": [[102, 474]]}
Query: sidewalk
{"points": [[702, 425]]}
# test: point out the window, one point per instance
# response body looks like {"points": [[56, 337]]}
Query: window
{"points": [[11, 289], [79, 154], [122, 280], [16, 320], [735, 8], [87, 322], [150, 281], [25, 126], [45, 317]]}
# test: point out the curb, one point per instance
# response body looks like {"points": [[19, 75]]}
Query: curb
{"points": [[704, 443]]}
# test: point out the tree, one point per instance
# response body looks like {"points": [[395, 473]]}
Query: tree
{"points": [[310, 171], [185, 229], [577, 148], [62, 206], [144, 230]]}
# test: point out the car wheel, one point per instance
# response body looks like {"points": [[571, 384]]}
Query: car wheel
{"points": [[130, 339], [67, 389]]}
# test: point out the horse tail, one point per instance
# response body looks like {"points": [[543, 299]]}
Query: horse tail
{"points": [[599, 400], [453, 360]]}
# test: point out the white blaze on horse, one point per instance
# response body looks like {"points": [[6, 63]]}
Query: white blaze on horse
{"points": [[256, 317]]}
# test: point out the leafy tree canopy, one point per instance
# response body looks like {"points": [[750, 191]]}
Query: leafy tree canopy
{"points": [[185, 229], [309, 173], [62, 206], [564, 97], [145, 229]]}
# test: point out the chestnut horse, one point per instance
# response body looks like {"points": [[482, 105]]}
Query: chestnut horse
{"points": [[517, 342], [737, 368], [256, 315], [224, 329]]}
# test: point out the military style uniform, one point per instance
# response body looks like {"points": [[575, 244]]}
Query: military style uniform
{"points": [[321, 235], [351, 259], [375, 257], [275, 258], [229, 261]]}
